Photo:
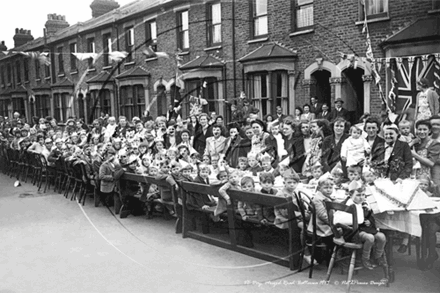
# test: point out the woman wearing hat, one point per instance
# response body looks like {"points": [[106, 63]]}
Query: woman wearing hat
{"points": [[398, 158], [427, 103]]}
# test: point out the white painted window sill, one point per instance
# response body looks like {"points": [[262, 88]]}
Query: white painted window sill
{"points": [[151, 59], [212, 48], [258, 40], [303, 32], [373, 20]]}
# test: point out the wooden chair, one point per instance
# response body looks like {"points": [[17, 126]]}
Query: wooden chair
{"points": [[331, 208], [310, 240]]}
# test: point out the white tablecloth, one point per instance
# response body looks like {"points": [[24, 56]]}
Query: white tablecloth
{"points": [[403, 221]]}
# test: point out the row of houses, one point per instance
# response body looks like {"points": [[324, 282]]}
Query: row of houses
{"points": [[279, 52]]}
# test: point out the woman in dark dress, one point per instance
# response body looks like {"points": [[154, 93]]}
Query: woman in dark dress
{"points": [[331, 146]]}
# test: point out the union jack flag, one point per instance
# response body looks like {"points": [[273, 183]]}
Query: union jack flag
{"points": [[407, 71]]}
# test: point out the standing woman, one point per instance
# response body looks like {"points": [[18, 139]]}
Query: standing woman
{"points": [[298, 113], [318, 129], [377, 143], [331, 146], [426, 150], [427, 103], [307, 115], [202, 132]]}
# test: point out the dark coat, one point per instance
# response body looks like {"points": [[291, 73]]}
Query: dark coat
{"points": [[331, 152], [316, 109], [378, 150], [166, 139], [342, 113], [400, 162], [234, 150], [327, 115], [199, 142]]}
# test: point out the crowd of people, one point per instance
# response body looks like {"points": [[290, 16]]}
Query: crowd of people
{"points": [[314, 147]]}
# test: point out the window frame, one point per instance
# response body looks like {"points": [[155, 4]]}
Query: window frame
{"points": [[129, 43], [256, 17], [60, 60], [18, 71], [182, 33], [73, 61], [384, 14], [298, 5], [37, 69], [8, 73], [149, 40], [26, 69], [107, 46], [210, 25], [91, 48], [137, 93], [2, 72]]}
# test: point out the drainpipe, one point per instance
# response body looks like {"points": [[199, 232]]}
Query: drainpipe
{"points": [[233, 48]]}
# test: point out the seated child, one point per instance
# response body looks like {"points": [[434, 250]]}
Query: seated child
{"points": [[368, 233], [249, 210], [150, 193], [323, 229], [291, 180], [266, 163], [405, 131], [368, 176], [266, 181], [198, 200], [224, 200], [242, 163], [317, 172], [354, 148], [254, 166], [354, 174]]}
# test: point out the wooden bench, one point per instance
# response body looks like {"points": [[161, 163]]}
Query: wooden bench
{"points": [[291, 260], [162, 184]]}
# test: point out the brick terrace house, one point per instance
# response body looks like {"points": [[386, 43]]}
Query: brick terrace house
{"points": [[279, 52]]}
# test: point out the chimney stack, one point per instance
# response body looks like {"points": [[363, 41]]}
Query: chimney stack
{"points": [[3, 46], [55, 23], [21, 37], [101, 7]]}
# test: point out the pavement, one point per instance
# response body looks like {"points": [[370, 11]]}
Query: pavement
{"points": [[51, 244]]}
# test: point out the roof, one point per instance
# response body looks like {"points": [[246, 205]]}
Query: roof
{"points": [[109, 18], [269, 51], [422, 29], [5, 92], [19, 90], [208, 61], [42, 87], [137, 71], [104, 76], [64, 83]]}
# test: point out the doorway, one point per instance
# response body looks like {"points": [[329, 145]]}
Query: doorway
{"points": [[353, 92], [322, 86]]}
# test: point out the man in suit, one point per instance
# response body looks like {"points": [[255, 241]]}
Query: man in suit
{"points": [[339, 111], [315, 107], [279, 114], [325, 114]]}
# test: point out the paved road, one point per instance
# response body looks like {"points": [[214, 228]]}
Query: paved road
{"points": [[51, 244]]}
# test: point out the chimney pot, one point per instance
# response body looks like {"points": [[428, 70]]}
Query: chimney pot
{"points": [[16, 31]]}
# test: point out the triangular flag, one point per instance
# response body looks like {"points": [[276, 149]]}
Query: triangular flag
{"points": [[117, 56]]}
